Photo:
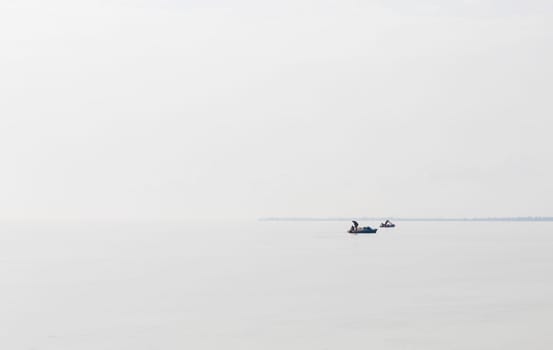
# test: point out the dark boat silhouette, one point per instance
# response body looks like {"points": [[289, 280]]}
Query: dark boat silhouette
{"points": [[355, 229]]}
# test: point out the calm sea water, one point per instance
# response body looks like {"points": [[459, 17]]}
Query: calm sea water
{"points": [[275, 285]]}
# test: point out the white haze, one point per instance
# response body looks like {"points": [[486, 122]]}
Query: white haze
{"points": [[274, 285], [212, 109]]}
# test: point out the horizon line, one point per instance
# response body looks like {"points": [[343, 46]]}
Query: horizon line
{"points": [[506, 218]]}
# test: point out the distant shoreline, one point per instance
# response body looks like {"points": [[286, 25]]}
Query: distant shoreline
{"points": [[521, 218]]}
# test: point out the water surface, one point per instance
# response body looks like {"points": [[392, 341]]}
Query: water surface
{"points": [[275, 285]]}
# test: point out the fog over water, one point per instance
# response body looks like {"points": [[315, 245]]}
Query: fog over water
{"points": [[140, 140], [274, 285], [245, 109]]}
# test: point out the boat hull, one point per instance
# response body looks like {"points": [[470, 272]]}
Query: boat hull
{"points": [[363, 230]]}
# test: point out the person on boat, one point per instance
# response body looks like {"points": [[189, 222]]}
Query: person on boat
{"points": [[355, 224]]}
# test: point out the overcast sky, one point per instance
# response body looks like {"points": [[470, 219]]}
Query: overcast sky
{"points": [[245, 109]]}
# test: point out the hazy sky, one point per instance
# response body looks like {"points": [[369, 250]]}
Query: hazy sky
{"points": [[243, 109]]}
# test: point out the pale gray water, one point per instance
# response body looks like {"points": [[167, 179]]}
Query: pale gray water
{"points": [[276, 285]]}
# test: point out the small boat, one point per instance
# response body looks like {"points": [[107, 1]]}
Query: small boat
{"points": [[355, 229], [387, 223], [366, 229]]}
